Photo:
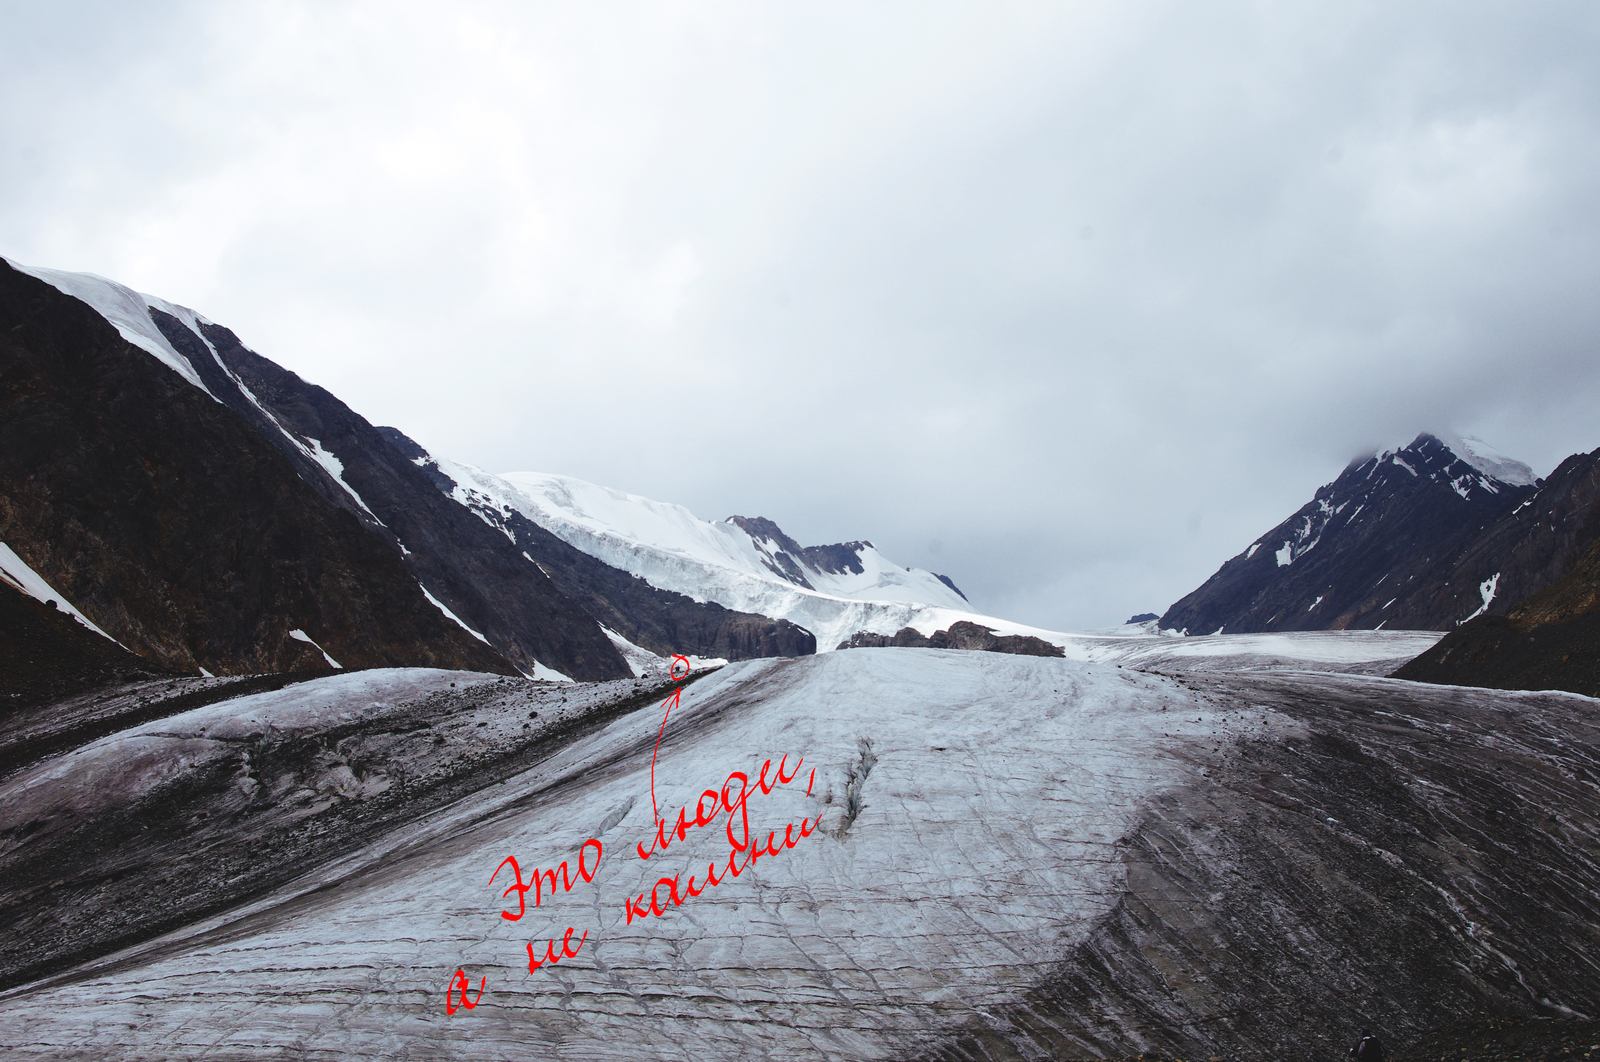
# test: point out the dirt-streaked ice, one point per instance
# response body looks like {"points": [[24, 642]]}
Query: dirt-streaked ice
{"points": [[991, 792]]}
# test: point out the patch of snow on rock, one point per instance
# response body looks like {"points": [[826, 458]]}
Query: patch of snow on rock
{"points": [[440, 605], [1491, 462], [1486, 590], [14, 570], [301, 636], [335, 468], [641, 660]]}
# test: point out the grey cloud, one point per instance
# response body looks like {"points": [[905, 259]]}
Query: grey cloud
{"points": [[1038, 285]]}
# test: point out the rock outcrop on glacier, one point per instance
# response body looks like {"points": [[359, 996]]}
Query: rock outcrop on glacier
{"points": [[962, 635], [998, 857]]}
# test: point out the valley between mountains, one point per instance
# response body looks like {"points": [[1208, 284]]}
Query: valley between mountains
{"points": [[315, 744]]}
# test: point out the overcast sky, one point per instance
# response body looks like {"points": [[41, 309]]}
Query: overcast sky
{"points": [[1067, 301]]}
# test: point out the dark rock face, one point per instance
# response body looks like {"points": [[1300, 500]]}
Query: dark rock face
{"points": [[1492, 651], [46, 654], [658, 620], [946, 580], [1550, 641], [961, 635], [1420, 855], [168, 520], [788, 558], [1539, 542], [1401, 540], [1143, 617], [466, 565]]}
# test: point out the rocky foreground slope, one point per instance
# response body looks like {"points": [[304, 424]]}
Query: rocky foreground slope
{"points": [[997, 857], [1548, 641]]}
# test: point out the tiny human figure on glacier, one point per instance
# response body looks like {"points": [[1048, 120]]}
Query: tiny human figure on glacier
{"points": [[1368, 1049]]}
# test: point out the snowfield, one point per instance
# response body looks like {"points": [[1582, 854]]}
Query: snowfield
{"points": [[672, 549], [994, 789]]}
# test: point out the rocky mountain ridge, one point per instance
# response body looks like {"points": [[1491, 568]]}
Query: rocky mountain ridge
{"points": [[502, 592], [789, 560], [1417, 538], [1548, 640], [167, 518]]}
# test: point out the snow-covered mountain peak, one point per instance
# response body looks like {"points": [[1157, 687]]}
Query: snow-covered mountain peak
{"points": [[747, 564], [845, 569], [1489, 461], [606, 522], [1371, 536], [1470, 466]]}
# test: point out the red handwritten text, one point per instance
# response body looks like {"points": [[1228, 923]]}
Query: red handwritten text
{"points": [[550, 956], [540, 877], [638, 908], [740, 843], [463, 983], [720, 803], [745, 848]]}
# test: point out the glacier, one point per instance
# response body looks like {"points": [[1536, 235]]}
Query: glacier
{"points": [[1013, 857], [982, 848]]}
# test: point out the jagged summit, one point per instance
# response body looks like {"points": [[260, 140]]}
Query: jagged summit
{"points": [[789, 560], [812, 566], [1469, 466], [1379, 546]]}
